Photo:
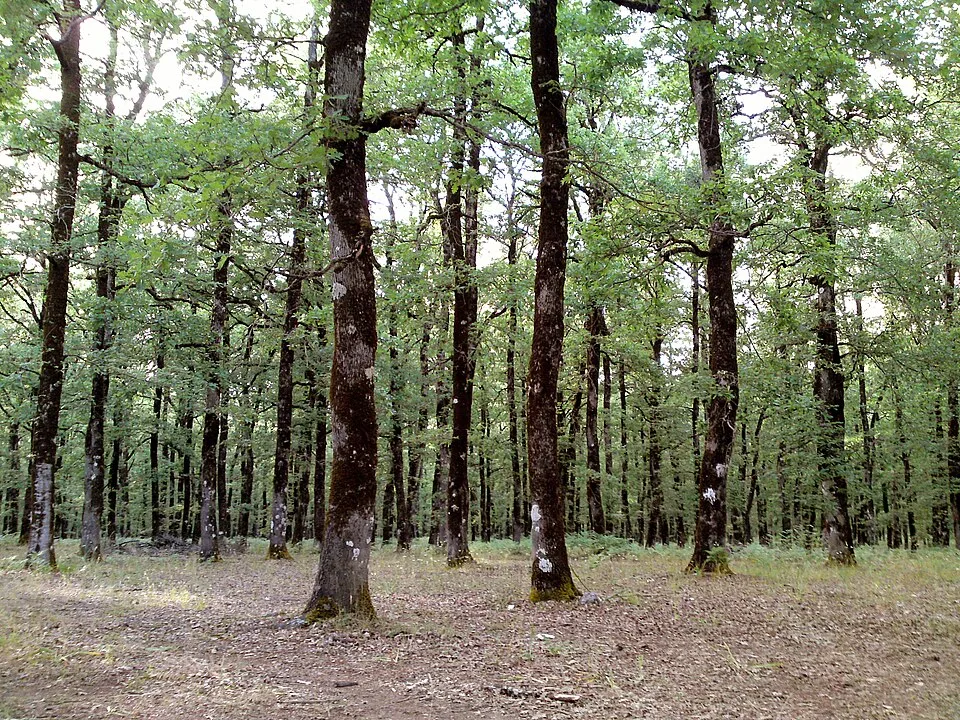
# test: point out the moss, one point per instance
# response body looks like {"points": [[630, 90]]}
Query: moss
{"points": [[564, 593], [327, 608], [280, 553], [460, 561], [716, 562]]}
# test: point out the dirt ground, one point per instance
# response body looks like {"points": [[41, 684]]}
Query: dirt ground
{"points": [[785, 637]]}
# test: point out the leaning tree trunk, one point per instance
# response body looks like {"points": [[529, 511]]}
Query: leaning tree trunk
{"points": [[828, 385], [50, 387], [342, 583], [550, 568], [711, 526], [597, 327]]}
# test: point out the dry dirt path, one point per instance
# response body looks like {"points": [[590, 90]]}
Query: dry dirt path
{"points": [[784, 638]]}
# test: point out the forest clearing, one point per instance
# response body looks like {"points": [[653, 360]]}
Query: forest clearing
{"points": [[785, 637]]}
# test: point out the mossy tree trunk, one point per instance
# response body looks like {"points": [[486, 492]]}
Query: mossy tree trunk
{"points": [[342, 583], [550, 568]]}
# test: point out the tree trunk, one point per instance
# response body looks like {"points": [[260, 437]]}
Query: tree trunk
{"points": [[828, 386], [460, 228], [12, 500], [415, 454], [302, 492], [550, 568], [869, 519], [342, 583], [953, 415], [596, 326], [754, 492], [396, 481], [657, 524], [155, 529], [50, 386], [624, 452], [568, 457], [711, 525], [607, 425], [515, 473], [320, 471], [223, 499]]}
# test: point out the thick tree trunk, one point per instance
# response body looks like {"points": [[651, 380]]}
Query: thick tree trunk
{"points": [[596, 326], [550, 568], [44, 442], [828, 386], [711, 525], [342, 583]]}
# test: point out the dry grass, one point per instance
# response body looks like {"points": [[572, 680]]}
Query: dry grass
{"points": [[785, 637]]}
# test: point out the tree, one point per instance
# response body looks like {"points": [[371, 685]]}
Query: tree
{"points": [[50, 388], [550, 572], [342, 578]]}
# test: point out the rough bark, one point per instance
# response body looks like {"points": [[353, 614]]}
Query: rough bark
{"points": [[342, 583], [44, 438], [711, 524], [550, 568], [596, 326], [223, 498], [828, 386]]}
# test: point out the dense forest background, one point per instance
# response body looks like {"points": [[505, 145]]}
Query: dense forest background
{"points": [[199, 264]]}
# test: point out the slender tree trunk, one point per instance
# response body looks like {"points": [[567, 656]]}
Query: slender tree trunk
{"points": [[953, 414], [342, 583], [550, 568], [695, 363], [320, 471], [155, 445], [12, 521], [711, 526], [460, 227], [568, 459], [415, 454], [113, 484], [395, 489], [754, 492], [607, 425], [940, 530], [515, 472], [828, 386], [44, 441], [223, 499], [302, 491], [247, 469], [624, 452], [596, 326], [657, 525], [869, 519]]}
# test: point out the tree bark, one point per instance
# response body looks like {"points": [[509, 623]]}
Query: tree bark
{"points": [[12, 500], [657, 531], [953, 413], [596, 326], [460, 227], [828, 386], [515, 473], [624, 452], [44, 441], [342, 583], [277, 549], [711, 525], [550, 568]]}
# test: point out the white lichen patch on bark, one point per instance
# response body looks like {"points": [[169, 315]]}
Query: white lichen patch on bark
{"points": [[545, 565], [339, 290], [710, 495], [535, 513]]}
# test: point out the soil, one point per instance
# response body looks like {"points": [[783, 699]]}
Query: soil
{"points": [[143, 636]]}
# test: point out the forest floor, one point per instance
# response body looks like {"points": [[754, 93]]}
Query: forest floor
{"points": [[785, 637]]}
